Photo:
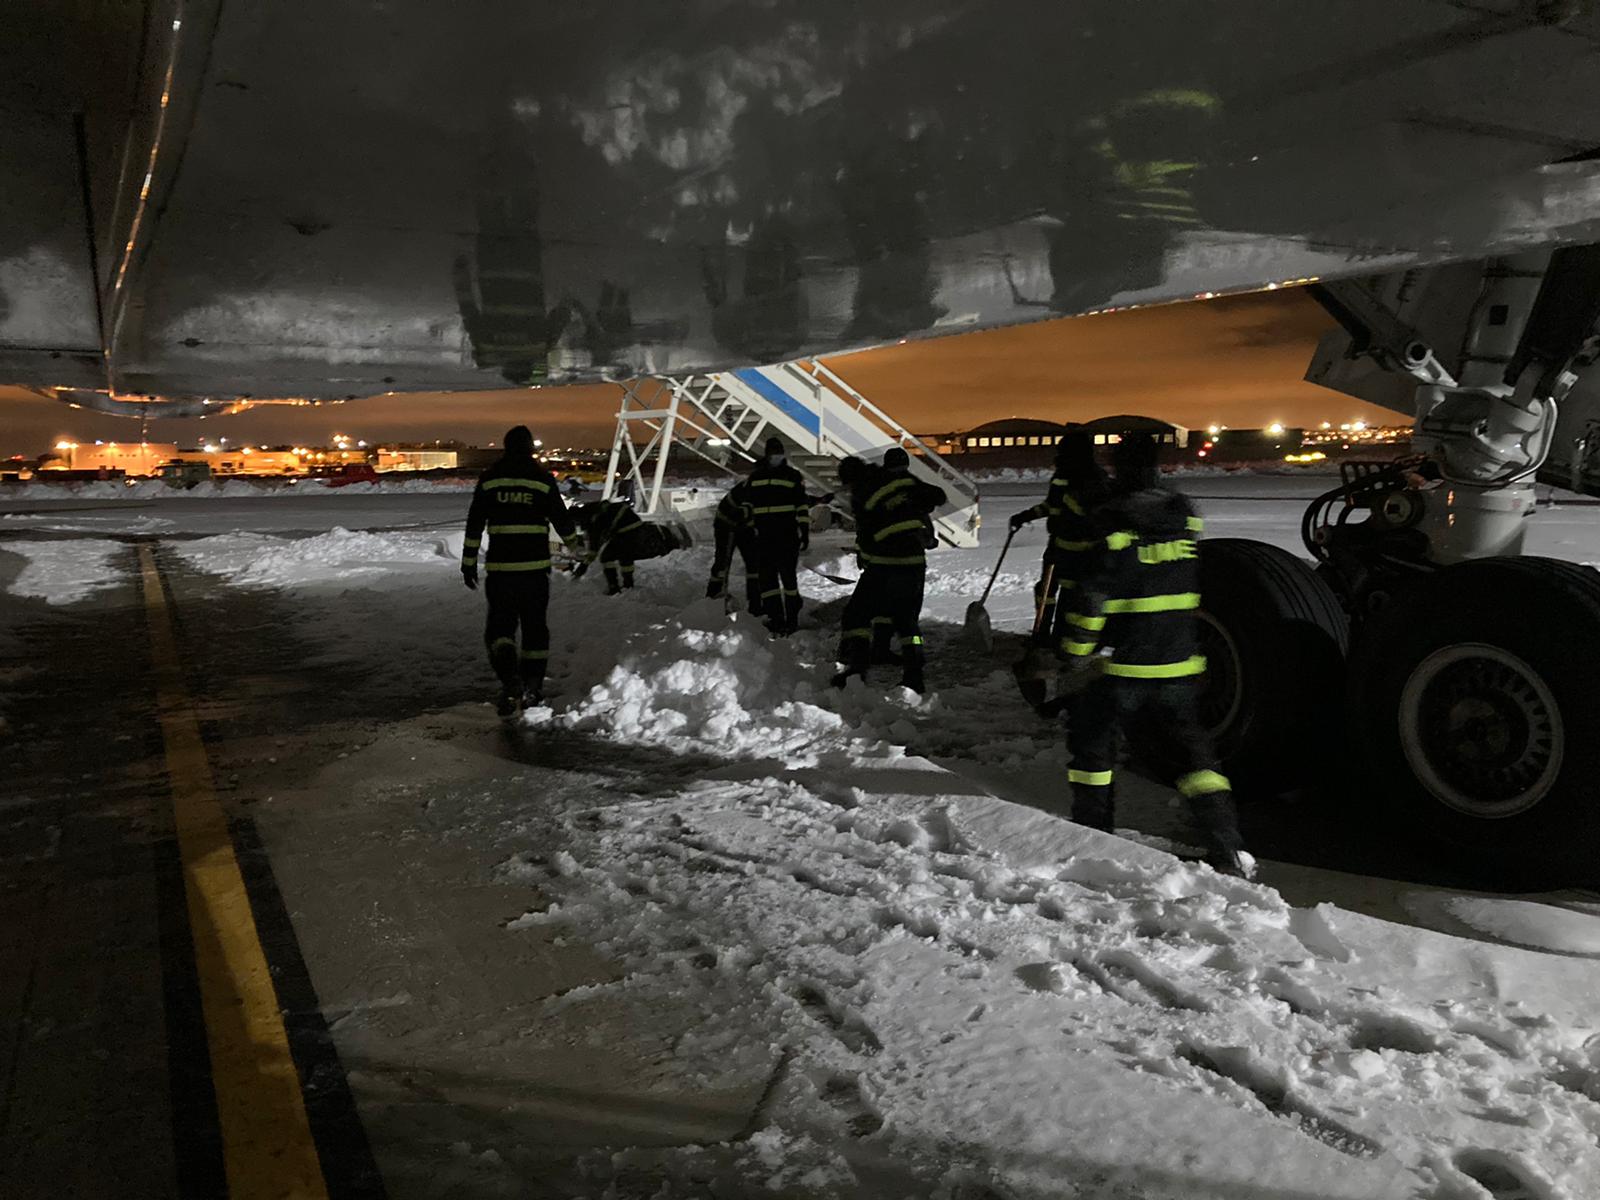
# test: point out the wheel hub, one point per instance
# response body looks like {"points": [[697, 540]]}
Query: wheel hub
{"points": [[1222, 687], [1481, 730]]}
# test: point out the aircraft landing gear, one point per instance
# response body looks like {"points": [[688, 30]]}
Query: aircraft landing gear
{"points": [[1274, 638], [1473, 710]]}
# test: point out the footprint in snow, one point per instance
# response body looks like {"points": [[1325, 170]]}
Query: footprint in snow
{"points": [[843, 1095], [1262, 1081], [1505, 1177], [851, 1031]]}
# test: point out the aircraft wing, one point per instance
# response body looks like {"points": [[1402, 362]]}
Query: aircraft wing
{"points": [[335, 198]]}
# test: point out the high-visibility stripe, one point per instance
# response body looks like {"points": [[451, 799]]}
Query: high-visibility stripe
{"points": [[850, 634], [1203, 783], [542, 565], [267, 1147], [1194, 665], [887, 490], [1073, 504], [1062, 543], [1083, 622], [1078, 649], [914, 640], [534, 655], [472, 543], [503, 641], [889, 560], [1193, 524], [494, 529], [775, 508], [537, 485], [768, 595], [773, 482], [889, 531], [1120, 540], [1091, 778], [1175, 602]]}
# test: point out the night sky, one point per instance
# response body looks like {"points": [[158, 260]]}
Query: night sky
{"points": [[1236, 361]]}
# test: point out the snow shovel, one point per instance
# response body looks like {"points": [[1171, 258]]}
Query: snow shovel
{"points": [[838, 579], [979, 629], [1037, 665]]}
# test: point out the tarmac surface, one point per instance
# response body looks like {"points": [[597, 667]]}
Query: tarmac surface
{"points": [[366, 825]]}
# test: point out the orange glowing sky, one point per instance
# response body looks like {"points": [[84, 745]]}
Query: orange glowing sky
{"points": [[1236, 361]]}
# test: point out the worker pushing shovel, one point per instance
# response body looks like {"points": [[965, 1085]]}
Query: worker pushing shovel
{"points": [[979, 629], [1071, 507]]}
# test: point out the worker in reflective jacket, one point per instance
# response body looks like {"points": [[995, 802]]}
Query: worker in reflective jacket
{"points": [[611, 528], [782, 514], [735, 529], [892, 512], [1070, 509], [518, 502], [1132, 635]]}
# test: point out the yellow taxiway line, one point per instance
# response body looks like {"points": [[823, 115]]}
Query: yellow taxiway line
{"points": [[266, 1139]]}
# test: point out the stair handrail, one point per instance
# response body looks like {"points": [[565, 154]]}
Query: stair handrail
{"points": [[936, 462]]}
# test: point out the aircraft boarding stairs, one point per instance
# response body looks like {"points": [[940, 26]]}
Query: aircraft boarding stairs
{"points": [[726, 418]]}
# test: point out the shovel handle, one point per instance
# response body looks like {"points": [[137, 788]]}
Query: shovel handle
{"points": [[1044, 598], [996, 572]]}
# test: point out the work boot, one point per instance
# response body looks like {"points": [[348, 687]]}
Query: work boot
{"points": [[1240, 864], [713, 590], [532, 689], [911, 677], [1096, 809], [1218, 819], [510, 700], [883, 646]]}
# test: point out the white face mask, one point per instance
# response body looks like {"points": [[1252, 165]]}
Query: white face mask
{"points": [[775, 460]]}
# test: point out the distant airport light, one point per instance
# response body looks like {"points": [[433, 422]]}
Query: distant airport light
{"points": [[1276, 429], [1358, 426]]}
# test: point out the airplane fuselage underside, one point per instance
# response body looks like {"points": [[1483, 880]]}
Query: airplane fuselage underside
{"points": [[334, 198]]}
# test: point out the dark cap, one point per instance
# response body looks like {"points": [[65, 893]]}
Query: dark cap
{"points": [[1134, 460], [1075, 451], [851, 469], [518, 440], [775, 447], [896, 459]]}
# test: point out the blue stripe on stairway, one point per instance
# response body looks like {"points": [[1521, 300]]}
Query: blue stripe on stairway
{"points": [[769, 391]]}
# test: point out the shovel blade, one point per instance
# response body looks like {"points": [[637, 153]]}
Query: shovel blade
{"points": [[1033, 689], [979, 631], [1034, 671]]}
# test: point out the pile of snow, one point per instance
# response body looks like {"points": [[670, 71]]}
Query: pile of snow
{"points": [[701, 681], [948, 995], [144, 490], [78, 522], [339, 556], [66, 571], [1573, 929]]}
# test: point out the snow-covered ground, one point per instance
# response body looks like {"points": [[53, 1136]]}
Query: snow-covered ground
{"points": [[998, 1002]]}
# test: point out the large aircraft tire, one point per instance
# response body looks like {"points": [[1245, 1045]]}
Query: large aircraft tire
{"points": [[1474, 706], [1274, 637]]}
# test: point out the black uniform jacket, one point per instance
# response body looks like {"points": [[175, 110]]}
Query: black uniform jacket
{"points": [[1140, 595], [518, 502]]}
